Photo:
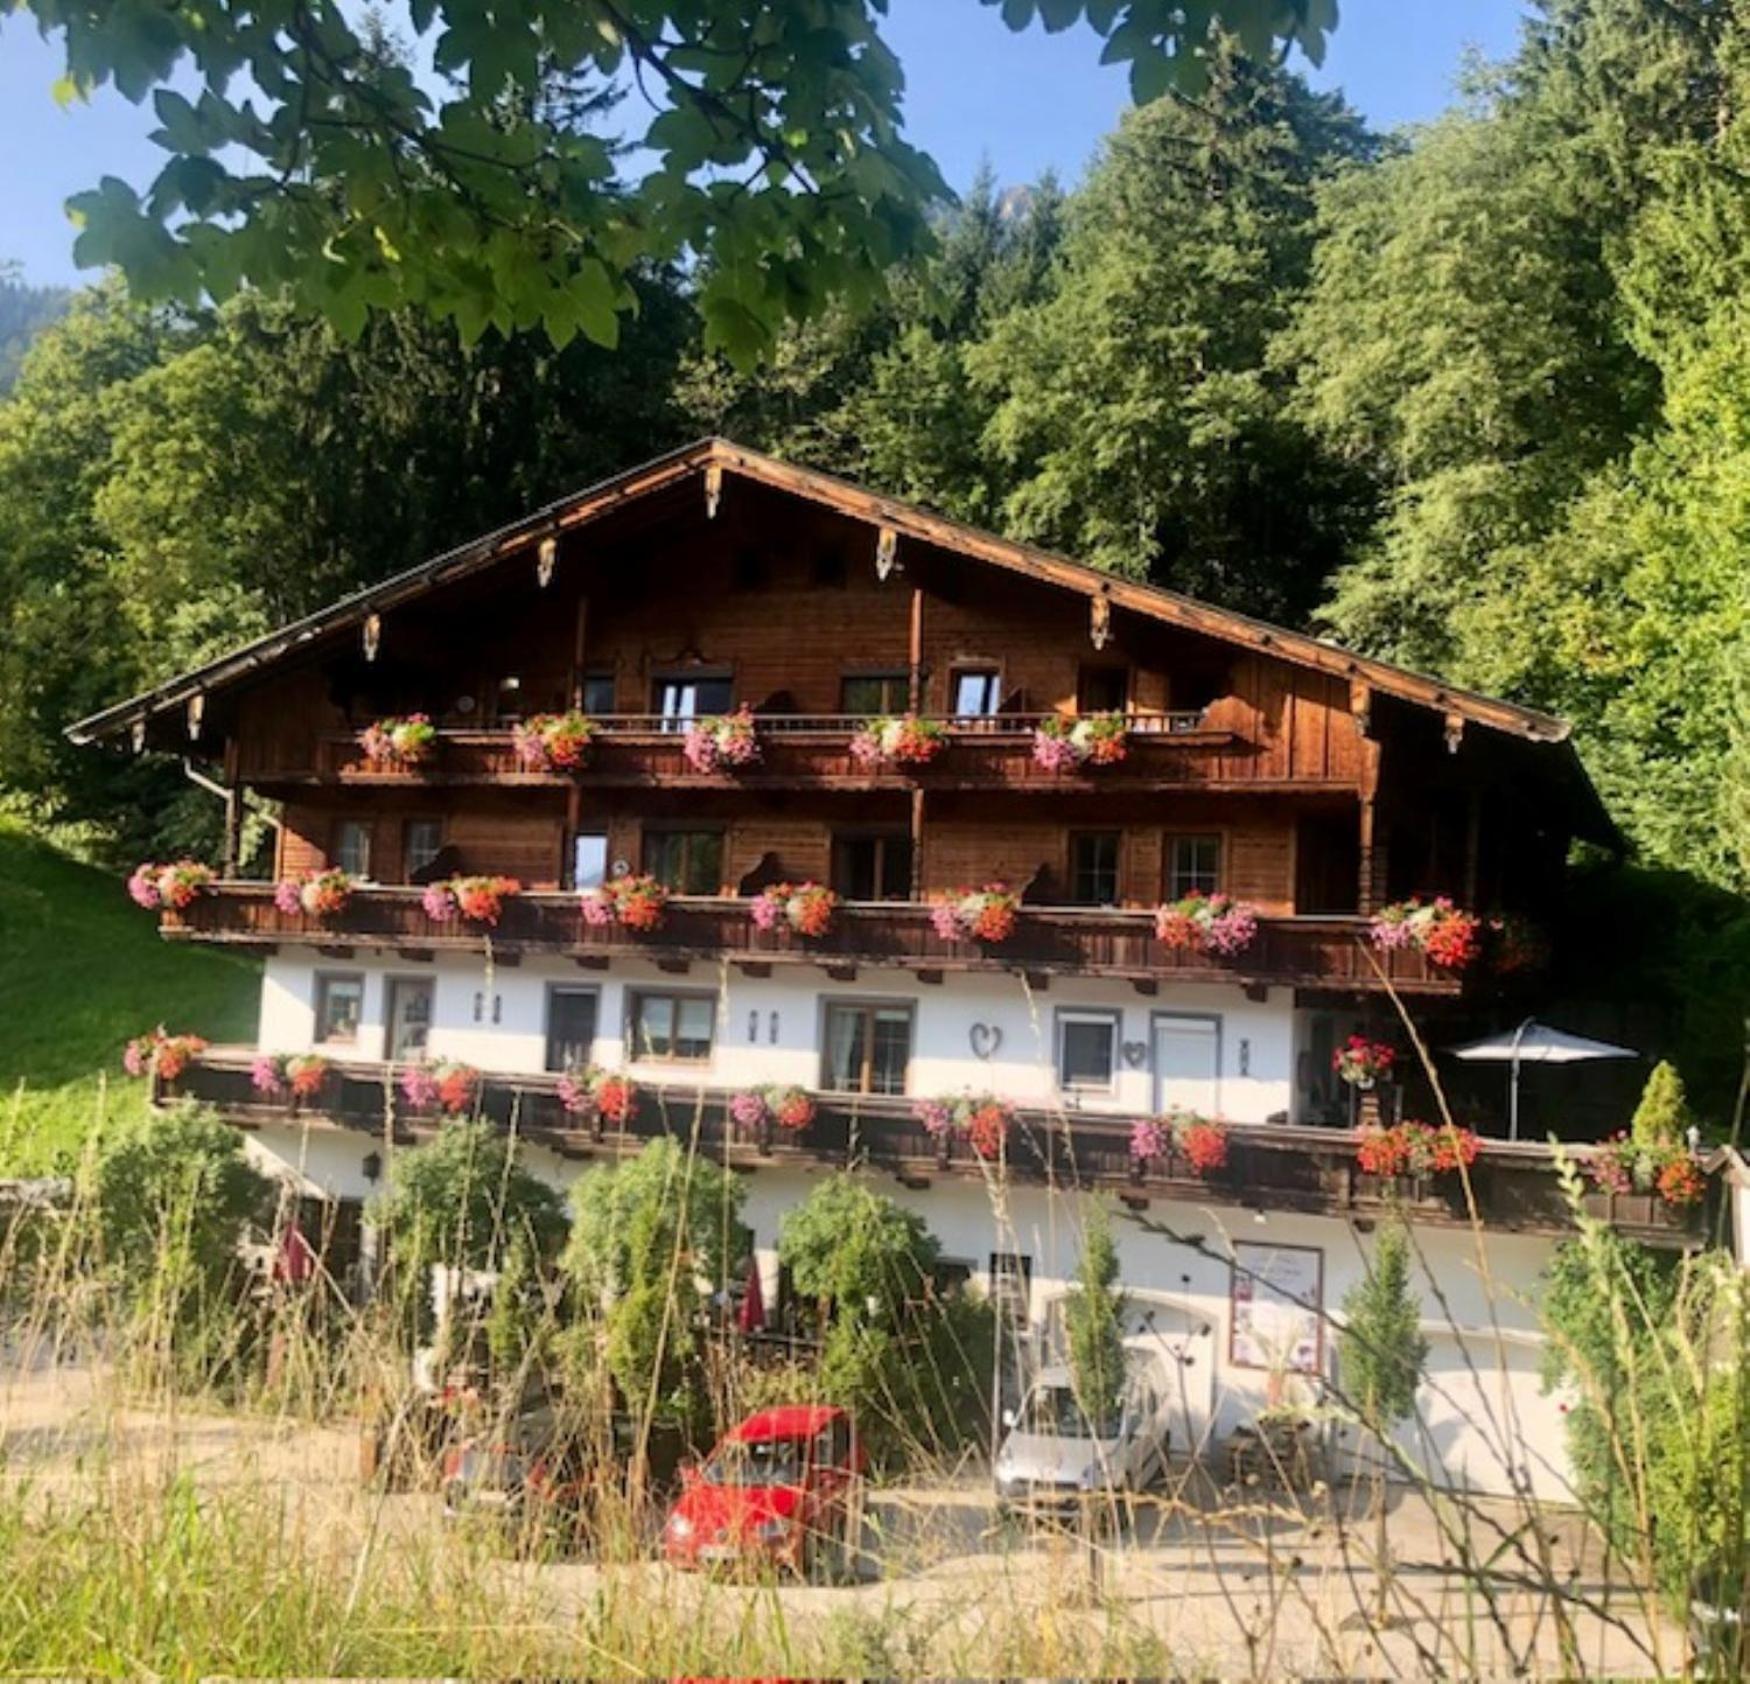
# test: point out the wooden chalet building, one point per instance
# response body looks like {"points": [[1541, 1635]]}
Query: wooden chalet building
{"points": [[1312, 784]]}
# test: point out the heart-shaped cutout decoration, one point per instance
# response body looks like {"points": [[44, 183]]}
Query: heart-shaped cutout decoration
{"points": [[1134, 1053], [986, 1038]]}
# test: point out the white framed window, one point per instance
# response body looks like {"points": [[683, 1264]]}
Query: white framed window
{"points": [[1087, 1051], [1187, 1062], [340, 1007], [675, 1027]]}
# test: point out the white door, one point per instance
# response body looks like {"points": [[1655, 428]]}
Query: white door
{"points": [[1187, 1064]]}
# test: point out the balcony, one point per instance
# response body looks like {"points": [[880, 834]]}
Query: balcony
{"points": [[1331, 953], [643, 751], [1270, 1167]]}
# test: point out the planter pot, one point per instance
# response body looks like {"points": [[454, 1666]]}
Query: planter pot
{"points": [[1139, 1168], [944, 1147]]}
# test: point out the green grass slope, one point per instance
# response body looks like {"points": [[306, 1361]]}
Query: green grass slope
{"points": [[81, 970]]}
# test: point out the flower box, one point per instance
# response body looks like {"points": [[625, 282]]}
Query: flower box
{"points": [[318, 894], [727, 744], [1200, 923], [987, 915], [633, 902], [554, 742], [903, 740], [598, 1096], [1362, 1062], [1066, 745], [478, 900], [160, 1054], [1446, 936], [806, 908], [398, 744], [443, 1085], [171, 887], [981, 1120]]}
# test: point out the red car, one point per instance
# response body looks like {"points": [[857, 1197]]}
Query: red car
{"points": [[780, 1490]]}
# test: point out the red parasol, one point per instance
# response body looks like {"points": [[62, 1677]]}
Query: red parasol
{"points": [[751, 1318]]}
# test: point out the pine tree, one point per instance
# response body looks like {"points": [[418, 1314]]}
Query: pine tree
{"points": [[1381, 1348], [1094, 1322]]}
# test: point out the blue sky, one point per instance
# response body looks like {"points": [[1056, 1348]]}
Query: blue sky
{"points": [[1029, 103]]}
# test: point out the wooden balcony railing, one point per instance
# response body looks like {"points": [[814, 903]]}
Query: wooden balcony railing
{"points": [[1269, 1166], [644, 750], [1068, 941]]}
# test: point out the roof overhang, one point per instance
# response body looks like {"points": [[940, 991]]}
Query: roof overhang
{"points": [[715, 457]]}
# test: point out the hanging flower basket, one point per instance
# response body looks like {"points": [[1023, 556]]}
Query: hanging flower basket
{"points": [[161, 1054], [478, 900], [749, 1112], [726, 744], [444, 1085], [1448, 937], [792, 1108], [399, 744], [320, 894], [806, 908], [903, 740], [1150, 1141], [174, 886], [983, 1121], [1066, 745], [554, 742], [1361, 1062], [633, 902], [1200, 923], [1201, 1142], [598, 1095], [267, 1075], [986, 915]]}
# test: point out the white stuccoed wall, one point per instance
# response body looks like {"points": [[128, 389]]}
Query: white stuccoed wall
{"points": [[1471, 1425], [768, 1028]]}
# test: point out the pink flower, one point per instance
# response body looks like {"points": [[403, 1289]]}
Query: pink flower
{"points": [[439, 901], [749, 1109], [288, 896], [1054, 754], [1148, 1139], [267, 1075], [937, 1115], [143, 887]]}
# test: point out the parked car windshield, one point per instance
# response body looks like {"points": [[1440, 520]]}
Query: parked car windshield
{"points": [[1055, 1412], [776, 1461]]}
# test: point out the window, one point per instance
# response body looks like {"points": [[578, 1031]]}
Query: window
{"points": [[674, 1026], [422, 840], [873, 867], [1187, 1063], [867, 1048], [597, 693], [340, 1005], [571, 1021], [867, 693], [510, 697], [1087, 1051], [408, 1016], [692, 697], [589, 859], [352, 847], [685, 862], [1102, 689], [1193, 864], [977, 691], [1093, 867]]}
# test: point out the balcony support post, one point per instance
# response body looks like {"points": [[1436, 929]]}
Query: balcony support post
{"points": [[917, 843], [1364, 887], [578, 638], [1473, 832], [914, 675]]}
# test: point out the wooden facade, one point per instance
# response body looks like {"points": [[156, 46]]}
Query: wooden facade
{"points": [[1324, 783]]}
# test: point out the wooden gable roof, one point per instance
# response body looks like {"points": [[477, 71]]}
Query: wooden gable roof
{"points": [[711, 461]]}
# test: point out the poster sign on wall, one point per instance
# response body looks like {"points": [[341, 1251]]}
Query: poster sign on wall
{"points": [[1277, 1299]]}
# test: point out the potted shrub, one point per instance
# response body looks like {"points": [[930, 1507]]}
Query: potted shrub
{"points": [[633, 902], [1656, 1156], [320, 894], [1200, 923], [598, 1095], [554, 742], [728, 743], [806, 908], [175, 886], [479, 900], [903, 740], [1061, 744], [398, 744], [1446, 936], [986, 915], [161, 1054]]}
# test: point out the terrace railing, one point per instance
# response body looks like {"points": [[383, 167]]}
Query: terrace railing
{"points": [[1270, 1167], [1289, 952]]}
